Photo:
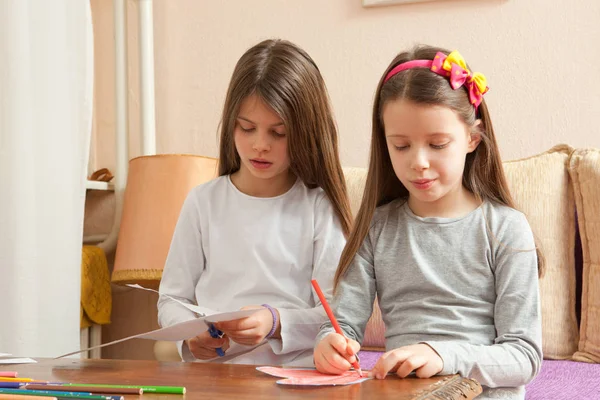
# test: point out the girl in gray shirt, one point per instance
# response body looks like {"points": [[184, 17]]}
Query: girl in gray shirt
{"points": [[438, 239]]}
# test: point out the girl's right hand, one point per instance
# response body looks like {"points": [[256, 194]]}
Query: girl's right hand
{"points": [[335, 354], [203, 346]]}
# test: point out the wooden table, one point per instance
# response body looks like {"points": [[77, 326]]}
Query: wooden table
{"points": [[211, 381]]}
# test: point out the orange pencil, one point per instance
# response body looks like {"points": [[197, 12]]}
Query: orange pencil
{"points": [[334, 322], [8, 374], [22, 397]]}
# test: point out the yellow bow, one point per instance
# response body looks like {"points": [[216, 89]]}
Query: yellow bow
{"points": [[455, 58], [478, 78], [480, 81]]}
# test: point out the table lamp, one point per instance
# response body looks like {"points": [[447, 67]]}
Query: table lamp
{"points": [[156, 188]]}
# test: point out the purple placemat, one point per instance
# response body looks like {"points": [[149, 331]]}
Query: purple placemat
{"points": [[556, 380], [565, 380]]}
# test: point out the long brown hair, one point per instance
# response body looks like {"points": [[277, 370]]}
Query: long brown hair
{"points": [[287, 79], [483, 174]]}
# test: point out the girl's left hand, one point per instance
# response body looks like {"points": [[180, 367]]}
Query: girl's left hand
{"points": [[417, 357], [251, 330]]}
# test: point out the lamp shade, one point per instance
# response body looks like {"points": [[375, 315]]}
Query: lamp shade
{"points": [[156, 188]]}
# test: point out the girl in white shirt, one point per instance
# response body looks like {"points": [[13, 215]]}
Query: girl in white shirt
{"points": [[276, 217]]}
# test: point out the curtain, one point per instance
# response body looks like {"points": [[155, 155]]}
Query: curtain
{"points": [[46, 96]]}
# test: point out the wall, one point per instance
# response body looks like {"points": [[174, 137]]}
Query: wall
{"points": [[538, 56]]}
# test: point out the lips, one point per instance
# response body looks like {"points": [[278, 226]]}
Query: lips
{"points": [[260, 163], [422, 184]]}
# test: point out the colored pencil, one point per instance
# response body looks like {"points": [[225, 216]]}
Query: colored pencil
{"points": [[21, 397], [334, 322], [21, 383], [8, 374], [83, 388], [66, 395], [145, 388], [3, 379], [9, 385]]}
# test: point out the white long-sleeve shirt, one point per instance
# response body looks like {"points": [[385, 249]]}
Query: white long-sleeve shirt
{"points": [[231, 250], [468, 287]]}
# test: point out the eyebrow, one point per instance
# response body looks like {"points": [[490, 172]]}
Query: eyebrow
{"points": [[428, 135], [252, 122]]}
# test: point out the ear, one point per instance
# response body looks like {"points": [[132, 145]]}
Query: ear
{"points": [[474, 136]]}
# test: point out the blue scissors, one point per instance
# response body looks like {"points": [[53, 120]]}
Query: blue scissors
{"points": [[216, 334]]}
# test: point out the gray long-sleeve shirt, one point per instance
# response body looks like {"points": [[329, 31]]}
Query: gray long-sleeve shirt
{"points": [[468, 287]]}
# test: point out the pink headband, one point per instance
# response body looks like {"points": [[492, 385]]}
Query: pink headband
{"points": [[453, 67]]}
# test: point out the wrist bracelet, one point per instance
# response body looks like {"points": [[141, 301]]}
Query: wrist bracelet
{"points": [[275, 320]]}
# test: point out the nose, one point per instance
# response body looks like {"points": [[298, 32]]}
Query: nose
{"points": [[419, 160], [262, 142]]}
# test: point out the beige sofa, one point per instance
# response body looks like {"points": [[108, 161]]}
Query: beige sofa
{"points": [[548, 188]]}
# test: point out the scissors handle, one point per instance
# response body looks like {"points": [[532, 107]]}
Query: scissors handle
{"points": [[215, 333]]}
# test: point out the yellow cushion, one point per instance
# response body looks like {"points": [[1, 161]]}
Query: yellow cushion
{"points": [[584, 167], [96, 298], [541, 188]]}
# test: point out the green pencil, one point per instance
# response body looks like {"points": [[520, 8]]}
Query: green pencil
{"points": [[146, 389]]}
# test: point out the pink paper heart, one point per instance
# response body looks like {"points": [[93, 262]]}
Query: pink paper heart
{"points": [[312, 377]]}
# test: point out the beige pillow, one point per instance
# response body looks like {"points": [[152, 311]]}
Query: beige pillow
{"points": [[584, 167], [541, 188], [355, 182]]}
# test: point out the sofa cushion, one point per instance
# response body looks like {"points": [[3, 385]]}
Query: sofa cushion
{"points": [[541, 188], [355, 182], [584, 167]]}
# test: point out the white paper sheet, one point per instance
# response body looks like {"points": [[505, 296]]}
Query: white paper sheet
{"points": [[181, 331], [201, 311], [23, 360]]}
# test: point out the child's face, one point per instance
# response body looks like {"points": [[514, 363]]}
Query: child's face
{"points": [[428, 146], [261, 140]]}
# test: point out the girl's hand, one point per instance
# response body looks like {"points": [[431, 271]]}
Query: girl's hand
{"points": [[418, 357], [203, 346], [251, 330], [335, 354]]}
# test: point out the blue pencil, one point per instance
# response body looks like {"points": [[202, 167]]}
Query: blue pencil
{"points": [[15, 385]]}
